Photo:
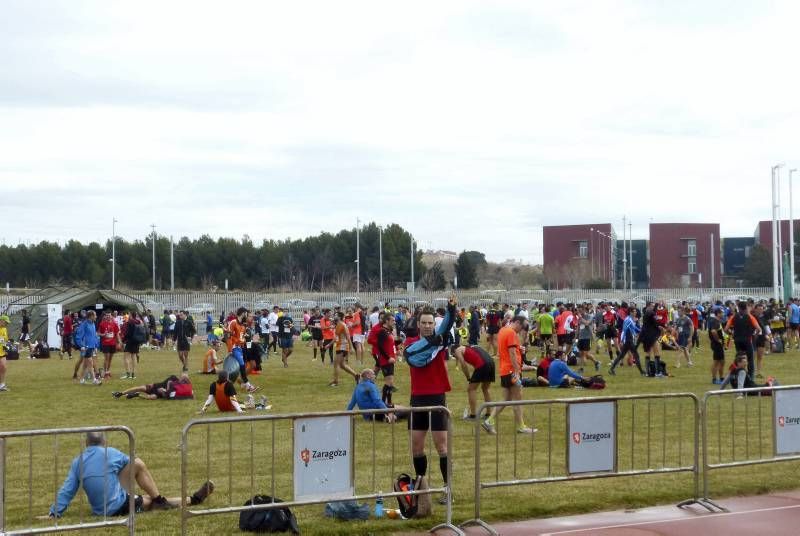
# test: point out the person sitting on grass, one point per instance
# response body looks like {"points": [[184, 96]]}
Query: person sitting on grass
{"points": [[210, 360], [738, 378], [104, 473], [172, 387], [223, 393], [559, 374], [366, 396]]}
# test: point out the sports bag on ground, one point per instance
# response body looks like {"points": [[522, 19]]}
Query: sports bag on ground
{"points": [[274, 520]]}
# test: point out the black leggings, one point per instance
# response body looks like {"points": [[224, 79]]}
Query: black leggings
{"points": [[628, 347]]}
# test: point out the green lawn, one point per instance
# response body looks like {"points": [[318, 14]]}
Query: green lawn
{"points": [[652, 434]]}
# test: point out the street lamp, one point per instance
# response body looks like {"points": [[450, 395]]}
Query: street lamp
{"points": [[358, 256], [380, 255], [153, 226], [113, 252], [791, 231]]}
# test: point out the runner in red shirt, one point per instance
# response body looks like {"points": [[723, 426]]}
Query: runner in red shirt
{"points": [[482, 375], [110, 340], [66, 334], [387, 355], [428, 387]]}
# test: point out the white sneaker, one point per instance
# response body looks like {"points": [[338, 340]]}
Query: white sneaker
{"points": [[83, 381], [3, 387], [97, 381]]}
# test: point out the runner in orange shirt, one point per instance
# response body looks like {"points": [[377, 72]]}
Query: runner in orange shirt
{"points": [[342, 343], [326, 323], [356, 328], [235, 343], [508, 348]]}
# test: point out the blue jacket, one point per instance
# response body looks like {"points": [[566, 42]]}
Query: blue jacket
{"points": [[86, 335], [558, 369], [366, 396], [97, 471], [422, 352]]}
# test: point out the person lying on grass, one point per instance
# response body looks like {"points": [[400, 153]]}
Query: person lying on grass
{"points": [[104, 473], [223, 393], [171, 388]]}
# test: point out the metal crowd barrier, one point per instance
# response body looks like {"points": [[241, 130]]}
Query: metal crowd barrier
{"points": [[104, 523], [736, 431], [551, 452], [263, 427]]}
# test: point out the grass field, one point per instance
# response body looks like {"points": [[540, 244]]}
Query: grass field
{"points": [[651, 435]]}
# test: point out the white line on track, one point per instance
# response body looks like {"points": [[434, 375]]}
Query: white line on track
{"points": [[656, 522]]}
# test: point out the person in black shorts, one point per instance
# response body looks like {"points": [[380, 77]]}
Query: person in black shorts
{"points": [[483, 375], [184, 331], [152, 391], [651, 332], [429, 384], [760, 342], [716, 339], [315, 326]]}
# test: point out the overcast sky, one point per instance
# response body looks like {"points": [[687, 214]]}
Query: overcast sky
{"points": [[472, 124]]}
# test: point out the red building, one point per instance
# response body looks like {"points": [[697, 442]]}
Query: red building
{"points": [[763, 235], [681, 255], [574, 254]]}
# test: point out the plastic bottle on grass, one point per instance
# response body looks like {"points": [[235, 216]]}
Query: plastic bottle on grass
{"points": [[379, 507]]}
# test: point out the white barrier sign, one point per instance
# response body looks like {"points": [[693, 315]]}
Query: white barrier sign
{"points": [[592, 437], [53, 316], [787, 422], [323, 458]]}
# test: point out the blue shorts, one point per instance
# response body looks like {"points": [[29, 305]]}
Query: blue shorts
{"points": [[89, 352], [237, 355], [286, 342]]}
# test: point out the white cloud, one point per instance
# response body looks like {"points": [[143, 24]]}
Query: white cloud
{"points": [[470, 123]]}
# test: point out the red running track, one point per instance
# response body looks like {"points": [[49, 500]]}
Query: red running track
{"points": [[761, 515]]}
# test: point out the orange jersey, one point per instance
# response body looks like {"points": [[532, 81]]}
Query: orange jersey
{"points": [[507, 339], [355, 324], [327, 329], [342, 338], [235, 334], [223, 394]]}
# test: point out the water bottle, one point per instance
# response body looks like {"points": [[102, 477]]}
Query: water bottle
{"points": [[379, 507]]}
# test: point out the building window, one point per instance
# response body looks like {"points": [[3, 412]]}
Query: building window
{"points": [[583, 249], [692, 249], [692, 265]]}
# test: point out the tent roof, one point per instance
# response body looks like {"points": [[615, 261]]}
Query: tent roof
{"points": [[73, 298]]}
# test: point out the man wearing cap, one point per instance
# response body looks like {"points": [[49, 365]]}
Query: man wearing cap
{"points": [[4, 321]]}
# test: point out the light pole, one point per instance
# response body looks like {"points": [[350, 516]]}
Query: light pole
{"points": [[113, 253], [380, 255], [153, 226], [412, 264], [630, 254], [791, 232], [171, 264], [776, 257], [358, 256], [591, 248], [624, 258]]}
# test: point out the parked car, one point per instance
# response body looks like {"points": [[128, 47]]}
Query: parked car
{"points": [[349, 301], [263, 304], [328, 305], [200, 308]]}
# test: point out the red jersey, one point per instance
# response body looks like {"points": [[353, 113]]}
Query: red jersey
{"points": [[695, 316], [431, 379], [476, 356], [385, 348], [661, 316], [66, 328], [108, 332], [372, 338]]}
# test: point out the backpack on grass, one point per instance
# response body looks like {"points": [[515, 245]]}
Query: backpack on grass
{"points": [[412, 505], [274, 520], [594, 382]]}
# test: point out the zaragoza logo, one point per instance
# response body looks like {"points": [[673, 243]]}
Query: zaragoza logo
{"points": [[305, 455], [576, 438]]}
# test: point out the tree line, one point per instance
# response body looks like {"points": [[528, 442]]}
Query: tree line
{"points": [[325, 262]]}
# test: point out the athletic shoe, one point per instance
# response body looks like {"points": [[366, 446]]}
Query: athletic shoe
{"points": [[596, 366], [202, 494], [611, 371], [83, 381], [659, 375], [443, 500], [489, 426], [526, 430], [467, 417], [333, 384], [132, 395], [3, 387], [690, 364], [97, 381], [161, 503], [253, 388], [116, 394]]}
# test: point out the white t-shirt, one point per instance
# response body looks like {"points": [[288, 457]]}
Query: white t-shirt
{"points": [[374, 318], [272, 321], [524, 312], [264, 323]]}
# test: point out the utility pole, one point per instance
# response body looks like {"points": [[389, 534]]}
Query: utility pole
{"points": [[791, 232], [713, 272], [624, 258], [153, 226], [630, 254], [412, 265], [380, 255], [591, 249], [171, 264], [113, 253], [358, 257]]}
